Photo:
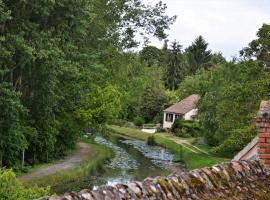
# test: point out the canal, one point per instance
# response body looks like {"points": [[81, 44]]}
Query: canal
{"points": [[134, 160]]}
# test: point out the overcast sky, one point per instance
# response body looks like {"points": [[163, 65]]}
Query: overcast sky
{"points": [[227, 25]]}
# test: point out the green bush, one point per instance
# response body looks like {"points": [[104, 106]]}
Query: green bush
{"points": [[236, 142], [139, 121], [11, 188], [151, 140], [182, 128]]}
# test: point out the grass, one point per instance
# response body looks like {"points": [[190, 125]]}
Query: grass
{"points": [[30, 169], [129, 132], [191, 159], [99, 155]]}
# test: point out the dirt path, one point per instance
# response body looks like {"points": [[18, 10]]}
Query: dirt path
{"points": [[80, 155]]}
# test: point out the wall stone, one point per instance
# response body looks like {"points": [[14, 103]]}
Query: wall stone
{"points": [[241, 180]]}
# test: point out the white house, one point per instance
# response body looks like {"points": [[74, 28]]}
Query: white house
{"points": [[185, 109]]}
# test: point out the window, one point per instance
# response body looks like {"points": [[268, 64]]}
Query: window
{"points": [[169, 117], [178, 116]]}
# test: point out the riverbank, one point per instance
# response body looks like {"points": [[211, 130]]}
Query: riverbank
{"points": [[91, 162], [192, 158]]}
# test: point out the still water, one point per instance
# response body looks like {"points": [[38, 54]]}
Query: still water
{"points": [[134, 160]]}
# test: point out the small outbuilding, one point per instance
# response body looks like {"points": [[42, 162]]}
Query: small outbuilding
{"points": [[185, 109]]}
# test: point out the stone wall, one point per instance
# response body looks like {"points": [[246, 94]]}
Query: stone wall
{"points": [[234, 180]]}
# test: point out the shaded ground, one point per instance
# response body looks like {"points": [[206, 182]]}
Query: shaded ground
{"points": [[80, 155]]}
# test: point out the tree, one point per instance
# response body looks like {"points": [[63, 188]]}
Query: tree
{"points": [[12, 138], [152, 100], [174, 69], [150, 56], [198, 56], [63, 62], [232, 99], [259, 49]]}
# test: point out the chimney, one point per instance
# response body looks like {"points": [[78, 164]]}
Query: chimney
{"points": [[263, 127]]}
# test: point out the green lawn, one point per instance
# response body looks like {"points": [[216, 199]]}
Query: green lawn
{"points": [[99, 155], [191, 159], [129, 132]]}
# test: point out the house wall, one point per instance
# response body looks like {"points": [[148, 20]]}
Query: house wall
{"points": [[188, 115], [165, 123]]}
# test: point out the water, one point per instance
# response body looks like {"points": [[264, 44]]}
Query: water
{"points": [[134, 160]]}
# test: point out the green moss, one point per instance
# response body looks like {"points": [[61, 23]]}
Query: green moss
{"points": [[213, 180], [178, 186], [194, 182], [224, 179], [163, 184]]}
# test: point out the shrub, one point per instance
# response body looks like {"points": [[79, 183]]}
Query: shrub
{"points": [[236, 141], [139, 121], [151, 140], [182, 128], [11, 188]]}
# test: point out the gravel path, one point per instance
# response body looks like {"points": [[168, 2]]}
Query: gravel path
{"points": [[80, 155]]}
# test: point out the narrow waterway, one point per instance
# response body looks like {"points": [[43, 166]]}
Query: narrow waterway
{"points": [[134, 160]]}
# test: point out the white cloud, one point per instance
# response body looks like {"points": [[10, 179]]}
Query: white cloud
{"points": [[227, 25]]}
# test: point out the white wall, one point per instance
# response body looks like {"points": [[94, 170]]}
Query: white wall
{"points": [[188, 115], [165, 123]]}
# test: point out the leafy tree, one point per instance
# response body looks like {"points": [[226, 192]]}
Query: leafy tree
{"points": [[150, 56], [100, 106], [152, 101], [259, 49], [194, 84], [231, 102], [198, 56], [64, 64], [12, 138]]}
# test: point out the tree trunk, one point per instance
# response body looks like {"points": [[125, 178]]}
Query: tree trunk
{"points": [[23, 159], [1, 159]]}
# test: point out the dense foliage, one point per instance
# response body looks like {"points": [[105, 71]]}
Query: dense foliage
{"points": [[230, 97], [63, 69], [186, 128], [67, 66], [11, 188]]}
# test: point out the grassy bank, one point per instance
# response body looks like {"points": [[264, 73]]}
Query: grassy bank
{"points": [[191, 159], [99, 155]]}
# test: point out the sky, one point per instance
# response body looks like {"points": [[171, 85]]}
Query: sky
{"points": [[227, 25]]}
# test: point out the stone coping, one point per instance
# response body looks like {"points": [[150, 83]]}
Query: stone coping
{"points": [[232, 180]]}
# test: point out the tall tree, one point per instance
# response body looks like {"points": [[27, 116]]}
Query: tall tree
{"points": [[174, 69], [198, 56], [54, 55]]}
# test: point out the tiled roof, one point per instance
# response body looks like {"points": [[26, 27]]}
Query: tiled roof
{"points": [[185, 105]]}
